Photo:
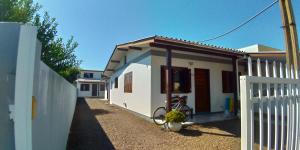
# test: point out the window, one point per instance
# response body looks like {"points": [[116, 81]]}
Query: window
{"points": [[227, 83], [88, 75], [102, 87], [84, 87], [116, 82], [128, 82], [181, 82]]}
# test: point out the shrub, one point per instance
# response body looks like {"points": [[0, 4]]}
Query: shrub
{"points": [[175, 116]]}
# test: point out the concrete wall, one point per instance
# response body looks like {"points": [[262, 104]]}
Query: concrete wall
{"points": [[140, 98], [9, 37], [56, 100], [23, 78]]}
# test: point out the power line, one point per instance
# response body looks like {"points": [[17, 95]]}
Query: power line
{"points": [[242, 24]]}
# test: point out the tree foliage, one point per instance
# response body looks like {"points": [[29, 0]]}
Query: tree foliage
{"points": [[18, 10], [57, 54]]}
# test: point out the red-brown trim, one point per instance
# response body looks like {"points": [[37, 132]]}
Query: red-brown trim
{"points": [[193, 50], [115, 61], [135, 48], [122, 49]]}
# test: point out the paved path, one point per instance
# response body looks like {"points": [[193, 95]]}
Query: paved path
{"points": [[97, 125]]}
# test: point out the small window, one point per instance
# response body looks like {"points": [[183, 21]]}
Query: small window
{"points": [[84, 87], [116, 82], [181, 82], [102, 87], [88, 75], [128, 82], [227, 83]]}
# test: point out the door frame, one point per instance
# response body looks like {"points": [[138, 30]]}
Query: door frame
{"points": [[209, 94], [96, 90]]}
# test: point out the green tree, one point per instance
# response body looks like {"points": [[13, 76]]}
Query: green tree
{"points": [[55, 53], [18, 10]]}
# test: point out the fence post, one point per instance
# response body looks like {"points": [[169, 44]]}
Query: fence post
{"points": [[282, 107], [276, 106], [245, 115]]}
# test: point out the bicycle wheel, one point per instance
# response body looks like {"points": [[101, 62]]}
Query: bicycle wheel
{"points": [[159, 116], [186, 110]]}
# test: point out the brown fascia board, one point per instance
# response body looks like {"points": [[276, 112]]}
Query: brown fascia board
{"points": [[195, 44], [178, 44], [137, 41], [122, 49], [115, 61], [134, 47], [195, 49], [282, 54]]}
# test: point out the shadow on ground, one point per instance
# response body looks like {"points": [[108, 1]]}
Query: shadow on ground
{"points": [[86, 132], [190, 132], [231, 126]]}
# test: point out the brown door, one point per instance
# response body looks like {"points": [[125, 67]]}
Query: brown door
{"points": [[202, 90], [94, 89]]}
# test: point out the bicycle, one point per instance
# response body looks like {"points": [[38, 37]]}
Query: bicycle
{"points": [[177, 103]]}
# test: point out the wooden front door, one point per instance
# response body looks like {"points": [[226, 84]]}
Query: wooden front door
{"points": [[202, 90], [94, 89]]}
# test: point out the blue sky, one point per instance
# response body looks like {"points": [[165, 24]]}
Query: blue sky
{"points": [[98, 25]]}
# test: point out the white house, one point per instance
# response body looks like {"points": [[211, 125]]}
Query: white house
{"points": [[91, 84], [206, 74]]}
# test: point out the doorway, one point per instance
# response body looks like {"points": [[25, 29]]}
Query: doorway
{"points": [[94, 89], [202, 90]]}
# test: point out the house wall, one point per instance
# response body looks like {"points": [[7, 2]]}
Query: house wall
{"points": [[89, 93], [217, 97], [140, 98], [96, 76]]}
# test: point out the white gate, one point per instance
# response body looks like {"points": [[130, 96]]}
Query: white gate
{"points": [[275, 100]]}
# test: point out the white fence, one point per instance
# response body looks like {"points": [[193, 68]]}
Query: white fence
{"points": [[36, 104], [54, 110], [275, 100]]}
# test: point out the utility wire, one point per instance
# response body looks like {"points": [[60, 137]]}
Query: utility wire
{"points": [[242, 24]]}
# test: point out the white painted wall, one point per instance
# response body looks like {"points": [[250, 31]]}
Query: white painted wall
{"points": [[217, 97], [258, 48], [140, 98], [9, 38], [146, 83], [96, 76], [83, 93], [89, 93], [56, 99], [20, 70]]}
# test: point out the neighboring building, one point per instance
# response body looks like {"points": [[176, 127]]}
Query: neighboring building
{"points": [[206, 74], [91, 84], [259, 48]]}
